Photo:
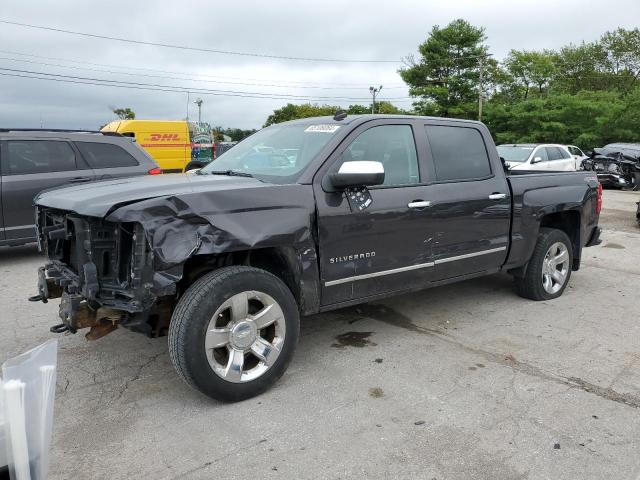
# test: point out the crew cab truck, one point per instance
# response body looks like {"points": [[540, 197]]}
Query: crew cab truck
{"points": [[304, 217]]}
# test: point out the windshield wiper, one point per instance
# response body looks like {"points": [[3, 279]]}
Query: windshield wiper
{"points": [[230, 173]]}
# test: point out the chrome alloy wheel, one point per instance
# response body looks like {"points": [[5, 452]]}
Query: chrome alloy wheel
{"points": [[555, 268], [245, 336]]}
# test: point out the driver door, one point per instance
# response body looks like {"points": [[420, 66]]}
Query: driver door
{"points": [[386, 246]]}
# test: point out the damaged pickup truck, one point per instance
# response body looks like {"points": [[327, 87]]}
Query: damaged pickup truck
{"points": [[303, 217], [616, 164]]}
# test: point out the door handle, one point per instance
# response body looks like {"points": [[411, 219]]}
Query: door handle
{"points": [[419, 204], [497, 196], [80, 180]]}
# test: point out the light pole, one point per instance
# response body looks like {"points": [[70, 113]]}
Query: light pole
{"points": [[198, 102], [374, 91]]}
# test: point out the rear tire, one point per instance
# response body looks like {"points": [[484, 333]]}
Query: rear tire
{"points": [[549, 269], [234, 332]]}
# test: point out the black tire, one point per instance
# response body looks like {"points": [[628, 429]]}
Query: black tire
{"points": [[531, 285], [191, 318]]}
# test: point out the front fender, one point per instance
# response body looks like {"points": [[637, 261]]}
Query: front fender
{"points": [[203, 223]]}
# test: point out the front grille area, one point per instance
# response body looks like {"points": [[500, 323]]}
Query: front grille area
{"points": [[104, 262]]}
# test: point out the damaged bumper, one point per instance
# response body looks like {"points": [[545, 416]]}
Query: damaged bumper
{"points": [[100, 270]]}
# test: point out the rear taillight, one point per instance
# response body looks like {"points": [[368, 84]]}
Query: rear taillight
{"points": [[599, 199], [155, 171]]}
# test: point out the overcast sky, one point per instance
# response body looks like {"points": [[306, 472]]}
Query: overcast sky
{"points": [[346, 29]]}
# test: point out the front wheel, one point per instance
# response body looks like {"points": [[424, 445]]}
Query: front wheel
{"points": [[234, 332], [549, 268]]}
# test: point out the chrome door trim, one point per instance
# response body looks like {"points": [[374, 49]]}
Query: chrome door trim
{"points": [[412, 267], [469, 255], [378, 274]]}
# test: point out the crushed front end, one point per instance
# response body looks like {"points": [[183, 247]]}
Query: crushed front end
{"points": [[102, 272], [615, 168]]}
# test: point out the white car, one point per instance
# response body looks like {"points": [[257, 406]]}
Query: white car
{"points": [[530, 156], [577, 154]]}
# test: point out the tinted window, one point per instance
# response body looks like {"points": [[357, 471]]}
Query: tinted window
{"points": [[40, 156], [564, 153], [391, 145], [458, 153], [541, 155], [105, 155], [554, 153]]}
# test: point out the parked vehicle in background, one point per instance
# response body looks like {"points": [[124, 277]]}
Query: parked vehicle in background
{"points": [[302, 217], [529, 156], [218, 149], [616, 164], [35, 160], [171, 143], [577, 154]]}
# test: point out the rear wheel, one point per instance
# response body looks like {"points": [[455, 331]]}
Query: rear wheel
{"points": [[549, 268], [234, 332]]}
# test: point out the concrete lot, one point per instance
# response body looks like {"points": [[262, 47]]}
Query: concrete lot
{"points": [[462, 381]]}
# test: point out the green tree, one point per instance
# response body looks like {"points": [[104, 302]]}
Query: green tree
{"points": [[238, 134], [124, 113], [623, 55], [529, 69], [291, 111], [446, 75]]}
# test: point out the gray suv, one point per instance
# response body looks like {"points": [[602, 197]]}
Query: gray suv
{"points": [[35, 160]]}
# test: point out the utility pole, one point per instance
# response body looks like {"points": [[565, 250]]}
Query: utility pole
{"points": [[480, 88], [198, 102], [374, 91], [188, 101]]}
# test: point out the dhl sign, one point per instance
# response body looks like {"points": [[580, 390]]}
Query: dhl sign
{"points": [[164, 137]]}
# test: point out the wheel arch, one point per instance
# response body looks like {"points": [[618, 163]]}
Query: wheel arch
{"points": [[298, 269], [569, 222]]}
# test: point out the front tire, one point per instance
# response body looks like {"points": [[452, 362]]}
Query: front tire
{"points": [[234, 332], [549, 269]]}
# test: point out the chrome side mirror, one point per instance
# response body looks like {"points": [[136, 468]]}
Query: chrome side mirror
{"points": [[358, 174]]}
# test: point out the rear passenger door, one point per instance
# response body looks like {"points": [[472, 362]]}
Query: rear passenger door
{"points": [[29, 167], [470, 202], [566, 162], [109, 160]]}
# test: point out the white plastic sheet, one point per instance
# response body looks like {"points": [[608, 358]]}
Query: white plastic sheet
{"points": [[29, 383]]}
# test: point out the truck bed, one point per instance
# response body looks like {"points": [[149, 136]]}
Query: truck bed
{"points": [[536, 194]]}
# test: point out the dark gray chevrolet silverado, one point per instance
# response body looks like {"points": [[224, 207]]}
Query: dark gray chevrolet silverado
{"points": [[303, 217]]}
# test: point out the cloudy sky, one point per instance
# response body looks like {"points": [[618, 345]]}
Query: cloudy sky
{"points": [[337, 30]]}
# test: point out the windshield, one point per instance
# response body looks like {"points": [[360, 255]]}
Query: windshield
{"points": [[277, 154], [514, 153]]}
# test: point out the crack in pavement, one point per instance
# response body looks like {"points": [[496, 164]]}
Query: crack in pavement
{"points": [[138, 374], [392, 317]]}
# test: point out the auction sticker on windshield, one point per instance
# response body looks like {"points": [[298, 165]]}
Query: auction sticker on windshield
{"points": [[322, 128]]}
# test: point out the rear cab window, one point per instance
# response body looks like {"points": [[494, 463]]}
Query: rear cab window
{"points": [[106, 155], [459, 153], [38, 156]]}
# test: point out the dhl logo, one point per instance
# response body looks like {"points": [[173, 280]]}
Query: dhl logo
{"points": [[164, 137]]}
